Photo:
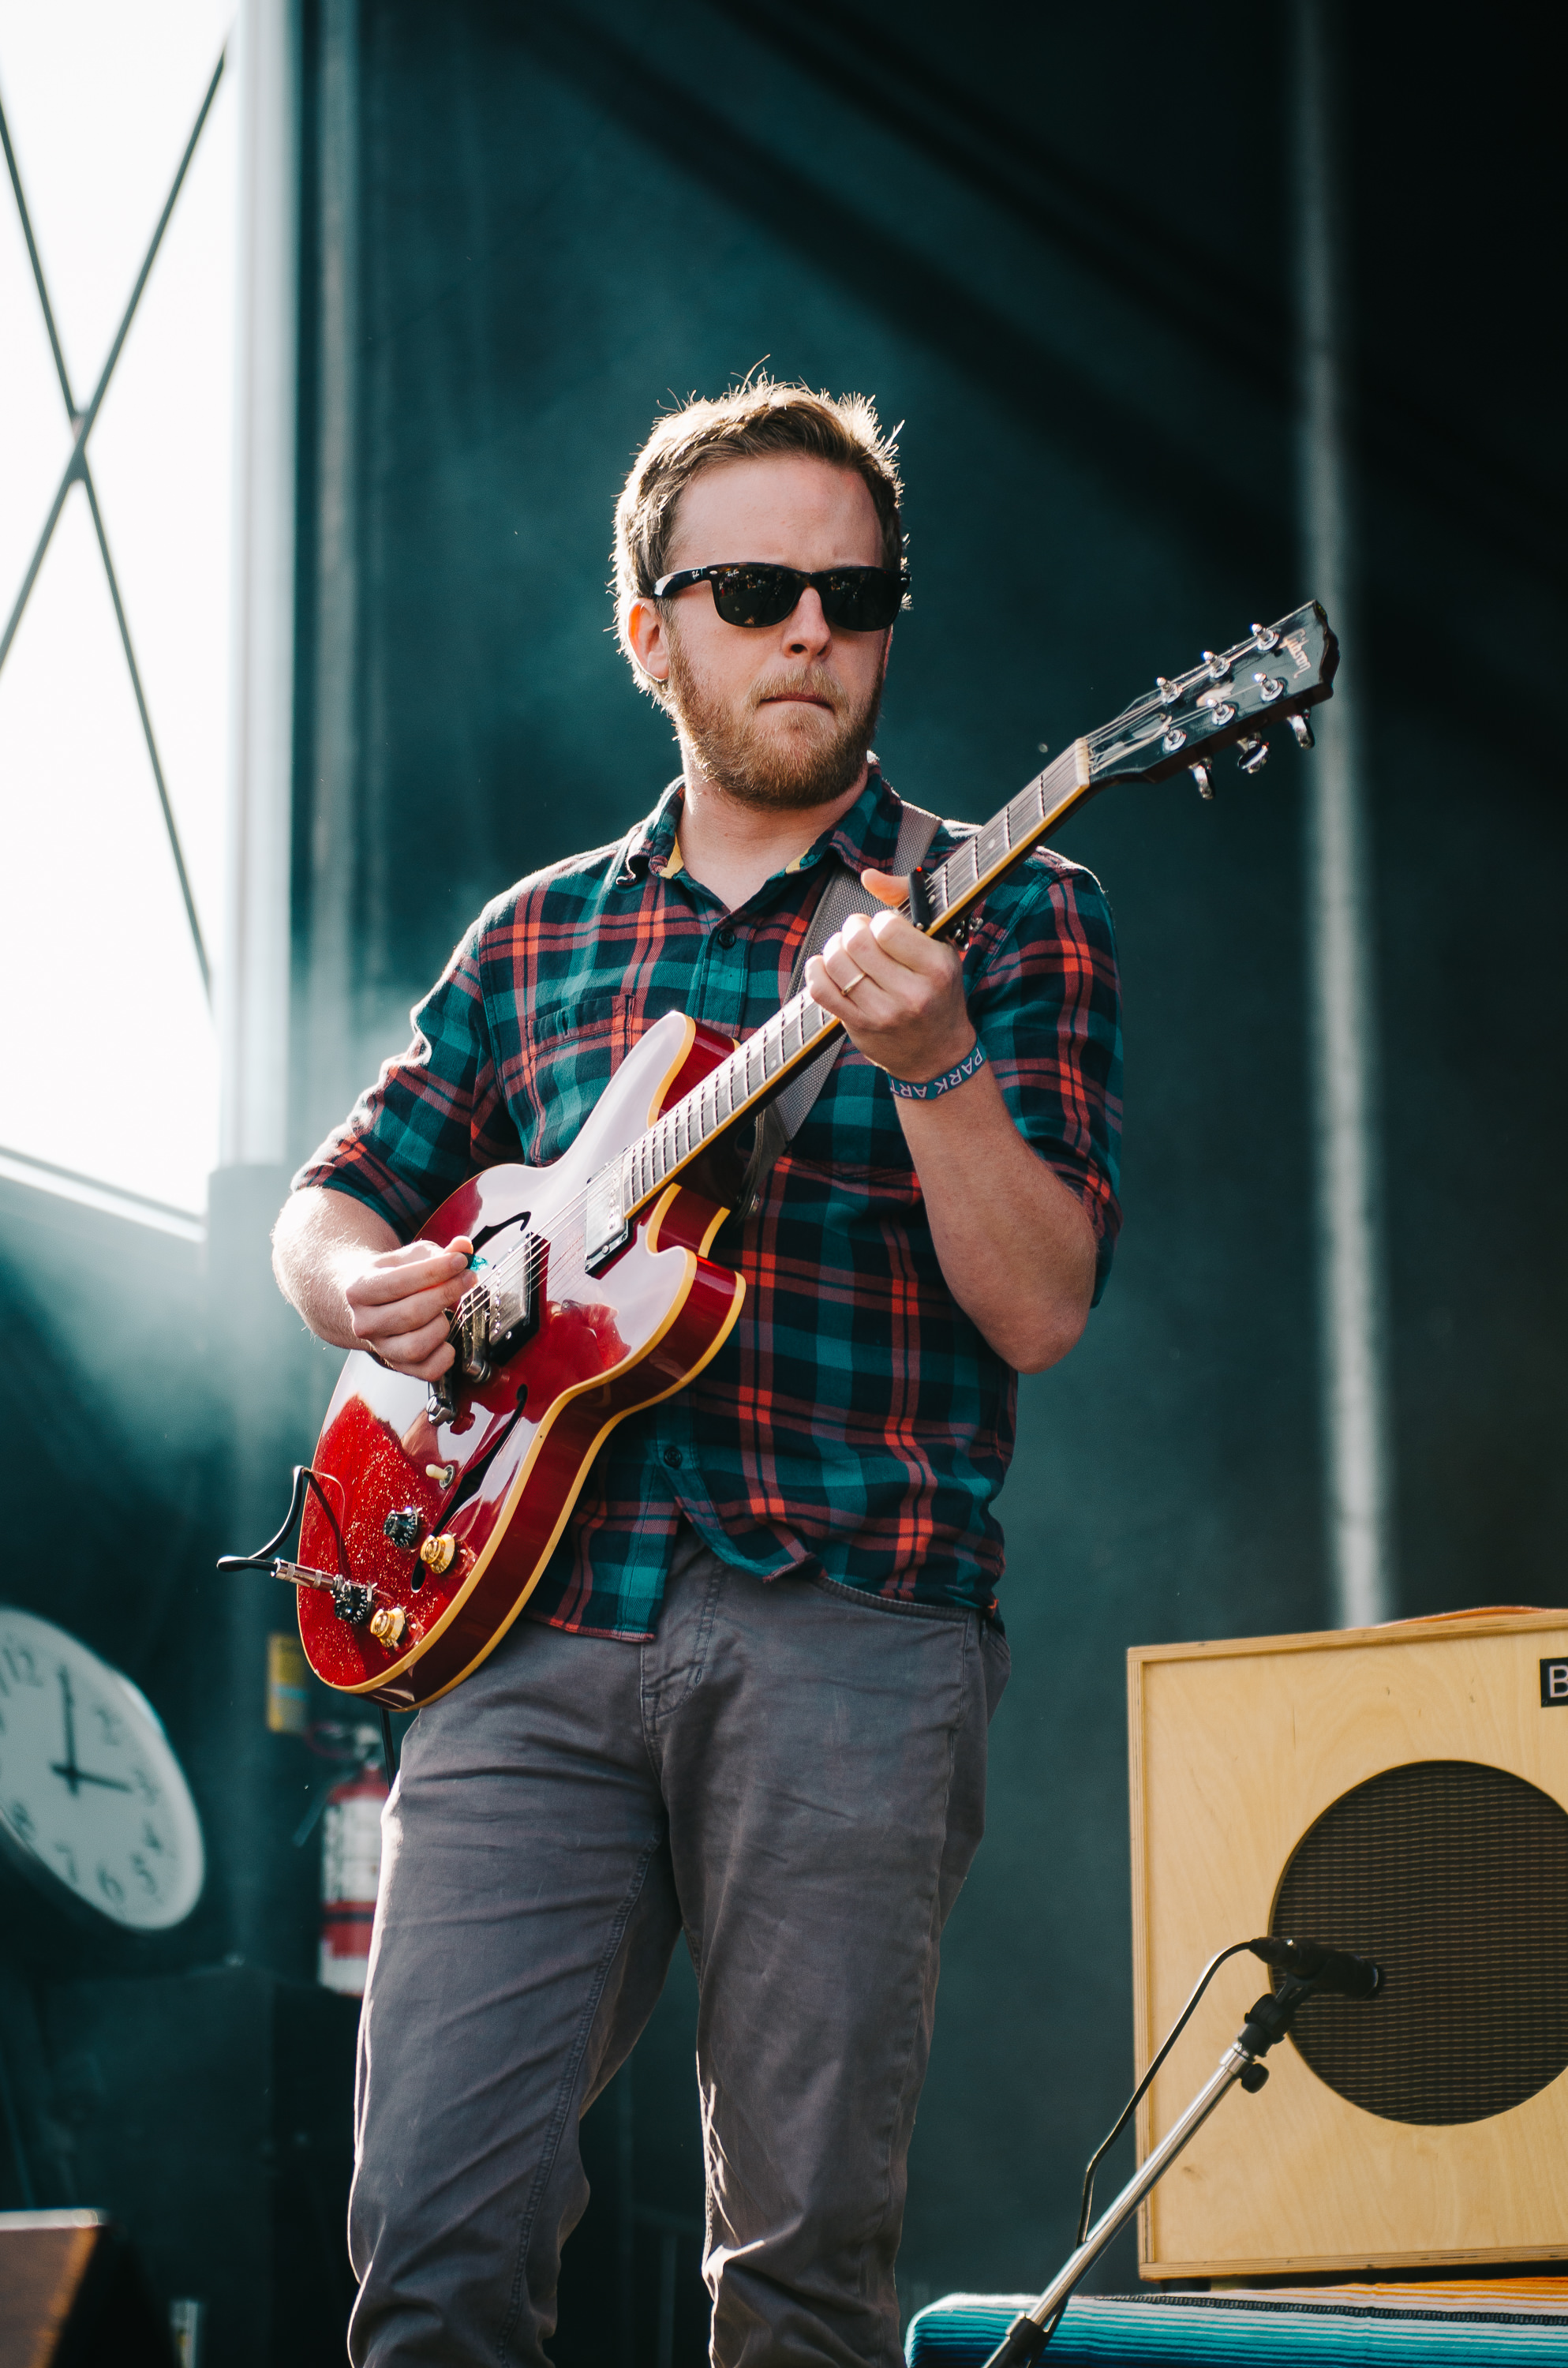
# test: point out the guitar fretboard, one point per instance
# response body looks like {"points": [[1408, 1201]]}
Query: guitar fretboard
{"points": [[1278, 673], [756, 1068]]}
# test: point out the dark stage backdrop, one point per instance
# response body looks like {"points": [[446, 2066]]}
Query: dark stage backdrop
{"points": [[1056, 245]]}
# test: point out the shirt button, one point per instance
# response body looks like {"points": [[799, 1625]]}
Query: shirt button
{"points": [[672, 1457], [726, 937]]}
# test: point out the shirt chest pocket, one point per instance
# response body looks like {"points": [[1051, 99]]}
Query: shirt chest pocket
{"points": [[572, 1050]]}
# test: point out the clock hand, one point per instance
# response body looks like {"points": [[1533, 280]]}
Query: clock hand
{"points": [[71, 1772], [85, 1776]]}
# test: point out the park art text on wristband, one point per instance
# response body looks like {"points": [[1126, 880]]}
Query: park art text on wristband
{"points": [[973, 1063]]}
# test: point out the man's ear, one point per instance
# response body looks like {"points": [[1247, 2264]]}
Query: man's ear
{"points": [[650, 642]]}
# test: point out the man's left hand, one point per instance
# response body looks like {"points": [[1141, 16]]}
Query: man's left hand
{"points": [[898, 994]]}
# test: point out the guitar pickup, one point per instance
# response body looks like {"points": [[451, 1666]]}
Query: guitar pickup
{"points": [[605, 1224], [513, 1309]]}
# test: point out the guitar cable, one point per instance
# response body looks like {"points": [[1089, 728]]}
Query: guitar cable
{"points": [[264, 1556]]}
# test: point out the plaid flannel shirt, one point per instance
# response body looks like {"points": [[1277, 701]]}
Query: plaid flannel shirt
{"points": [[854, 1425]]}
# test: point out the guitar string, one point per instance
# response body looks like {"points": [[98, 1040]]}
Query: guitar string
{"points": [[527, 1262]]}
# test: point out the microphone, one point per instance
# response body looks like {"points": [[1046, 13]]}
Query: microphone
{"points": [[1330, 1970]]}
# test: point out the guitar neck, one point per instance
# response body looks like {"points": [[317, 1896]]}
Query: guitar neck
{"points": [[1229, 700], [763, 1063]]}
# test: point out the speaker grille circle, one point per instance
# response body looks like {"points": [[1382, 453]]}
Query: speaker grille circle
{"points": [[1454, 1876]]}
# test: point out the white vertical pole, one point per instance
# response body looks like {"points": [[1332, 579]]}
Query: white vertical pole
{"points": [[254, 1335], [1342, 988], [254, 988], [328, 1052]]}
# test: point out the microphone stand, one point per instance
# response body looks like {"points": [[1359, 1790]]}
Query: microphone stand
{"points": [[1267, 2021]]}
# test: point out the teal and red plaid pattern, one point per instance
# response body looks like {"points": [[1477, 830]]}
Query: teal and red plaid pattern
{"points": [[855, 1426]]}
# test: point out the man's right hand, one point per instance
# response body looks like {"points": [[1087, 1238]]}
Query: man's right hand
{"points": [[358, 1287], [398, 1305]]}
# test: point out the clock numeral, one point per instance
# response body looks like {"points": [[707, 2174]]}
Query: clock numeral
{"points": [[144, 1875], [145, 1786], [111, 1730], [111, 1887], [151, 1838], [63, 1851], [20, 1662], [20, 1820]]}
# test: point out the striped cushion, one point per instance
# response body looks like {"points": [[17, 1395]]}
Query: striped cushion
{"points": [[1190, 2330]]}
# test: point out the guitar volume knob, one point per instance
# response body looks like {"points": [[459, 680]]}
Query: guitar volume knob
{"points": [[437, 1554], [404, 1527]]}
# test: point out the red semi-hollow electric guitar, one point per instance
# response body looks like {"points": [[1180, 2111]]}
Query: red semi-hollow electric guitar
{"points": [[429, 1513]]}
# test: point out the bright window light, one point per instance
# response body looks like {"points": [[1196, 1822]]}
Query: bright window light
{"points": [[110, 1066]]}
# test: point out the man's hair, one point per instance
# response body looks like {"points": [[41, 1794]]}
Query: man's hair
{"points": [[757, 420]]}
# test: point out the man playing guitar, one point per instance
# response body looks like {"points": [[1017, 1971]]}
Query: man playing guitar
{"points": [[748, 1697]]}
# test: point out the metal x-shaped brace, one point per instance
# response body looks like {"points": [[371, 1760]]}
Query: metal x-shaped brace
{"points": [[77, 472]]}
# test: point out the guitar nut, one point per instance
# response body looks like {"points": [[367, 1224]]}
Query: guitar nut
{"points": [[386, 1625], [437, 1554]]}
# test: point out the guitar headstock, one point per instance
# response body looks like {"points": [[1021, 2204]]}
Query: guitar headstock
{"points": [[1230, 699]]}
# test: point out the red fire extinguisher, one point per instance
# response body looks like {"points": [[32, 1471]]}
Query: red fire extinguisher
{"points": [[350, 1867]]}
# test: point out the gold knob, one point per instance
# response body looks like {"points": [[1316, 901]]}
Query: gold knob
{"points": [[438, 1553], [386, 1626]]}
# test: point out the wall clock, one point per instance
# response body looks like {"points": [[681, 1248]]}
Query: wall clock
{"points": [[94, 1806]]}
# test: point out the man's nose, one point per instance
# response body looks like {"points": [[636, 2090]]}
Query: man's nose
{"points": [[808, 632]]}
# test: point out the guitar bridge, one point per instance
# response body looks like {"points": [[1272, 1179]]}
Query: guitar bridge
{"points": [[489, 1324]]}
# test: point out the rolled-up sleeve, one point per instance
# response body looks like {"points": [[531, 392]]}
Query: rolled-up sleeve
{"points": [[1043, 994], [434, 1116]]}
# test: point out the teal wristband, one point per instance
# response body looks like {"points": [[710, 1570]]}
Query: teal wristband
{"points": [[973, 1063]]}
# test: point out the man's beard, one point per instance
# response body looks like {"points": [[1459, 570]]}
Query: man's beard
{"points": [[782, 773]]}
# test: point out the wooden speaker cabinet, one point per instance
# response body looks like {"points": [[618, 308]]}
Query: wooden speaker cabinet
{"points": [[1401, 1792]]}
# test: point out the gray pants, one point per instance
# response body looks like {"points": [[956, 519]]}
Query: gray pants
{"points": [[792, 1774]]}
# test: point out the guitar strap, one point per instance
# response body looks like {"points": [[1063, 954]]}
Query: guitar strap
{"points": [[842, 894]]}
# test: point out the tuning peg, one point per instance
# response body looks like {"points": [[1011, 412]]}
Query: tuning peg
{"points": [[1204, 779], [1170, 693], [1264, 639], [1303, 730], [1252, 752], [1217, 665]]}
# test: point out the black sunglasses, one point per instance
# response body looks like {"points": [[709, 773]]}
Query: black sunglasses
{"points": [[854, 599]]}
